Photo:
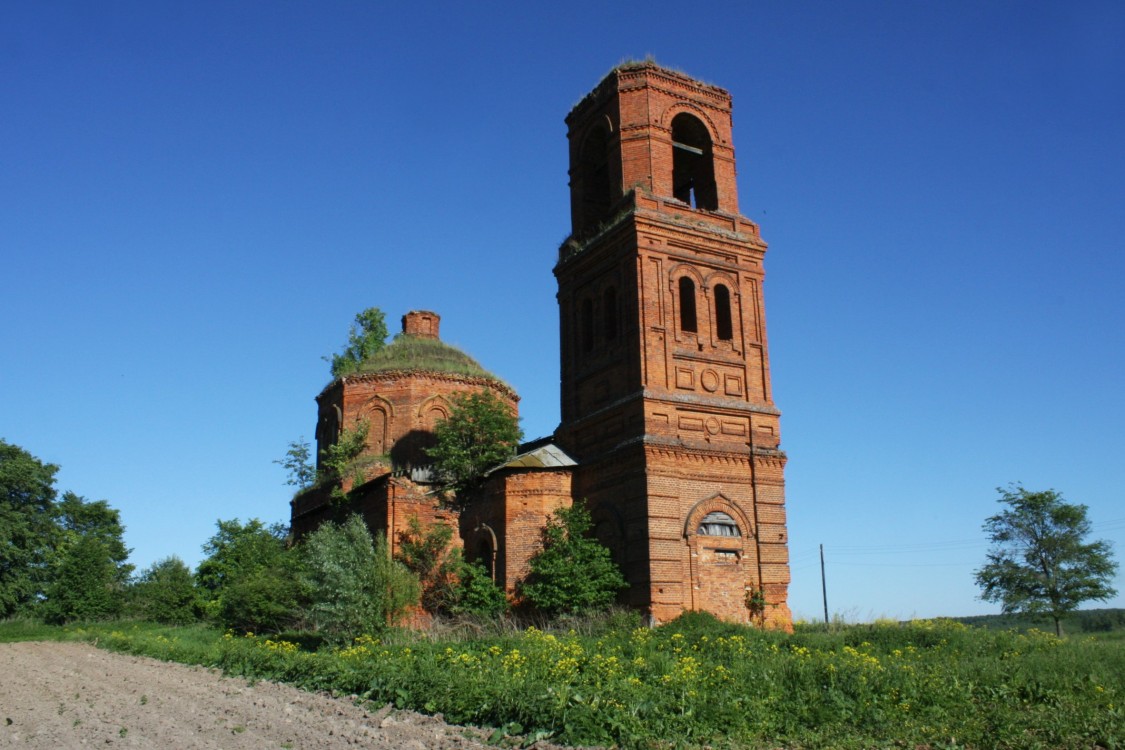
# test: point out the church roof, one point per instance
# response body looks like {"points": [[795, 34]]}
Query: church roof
{"points": [[538, 454], [422, 354]]}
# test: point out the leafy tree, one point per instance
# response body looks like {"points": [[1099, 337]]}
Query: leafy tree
{"points": [[480, 433], [298, 462], [85, 584], [354, 586], [236, 552], [367, 335], [27, 529], [78, 517], [1039, 562], [88, 568], [267, 600], [573, 573], [165, 592]]}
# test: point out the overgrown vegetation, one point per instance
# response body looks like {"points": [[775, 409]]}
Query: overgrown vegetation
{"points": [[368, 334], [480, 433], [572, 573], [450, 585], [354, 586], [421, 353], [699, 682]]}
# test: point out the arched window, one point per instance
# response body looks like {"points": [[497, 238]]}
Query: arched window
{"points": [[723, 327], [717, 523], [609, 314], [587, 325], [693, 168], [687, 305], [592, 178]]}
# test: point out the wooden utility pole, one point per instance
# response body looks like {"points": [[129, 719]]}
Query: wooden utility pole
{"points": [[823, 585]]}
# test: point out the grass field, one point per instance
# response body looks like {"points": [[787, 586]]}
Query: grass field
{"points": [[696, 682]]}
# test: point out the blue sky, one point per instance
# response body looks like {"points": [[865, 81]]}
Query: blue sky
{"points": [[196, 198]]}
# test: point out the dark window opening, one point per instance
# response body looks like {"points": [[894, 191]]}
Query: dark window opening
{"points": [[487, 558], [723, 326], [687, 305], [717, 523], [693, 168], [609, 314], [587, 325], [593, 179]]}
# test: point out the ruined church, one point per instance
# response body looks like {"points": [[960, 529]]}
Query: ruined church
{"points": [[668, 433]]}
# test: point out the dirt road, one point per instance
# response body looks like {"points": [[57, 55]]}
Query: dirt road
{"points": [[70, 695]]}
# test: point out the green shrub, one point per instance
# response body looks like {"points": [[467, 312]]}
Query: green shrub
{"points": [[353, 584], [268, 600], [572, 573], [165, 592], [85, 585], [477, 595]]}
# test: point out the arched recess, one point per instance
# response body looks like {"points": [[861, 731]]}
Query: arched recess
{"points": [[593, 189], [485, 548], [686, 284], [693, 163], [722, 557], [689, 318], [724, 327], [725, 311], [327, 429], [609, 529], [380, 415], [433, 410], [609, 313], [586, 326]]}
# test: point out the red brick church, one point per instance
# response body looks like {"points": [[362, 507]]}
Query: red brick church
{"points": [[669, 433]]}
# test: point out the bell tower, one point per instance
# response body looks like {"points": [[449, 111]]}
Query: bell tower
{"points": [[666, 398]]}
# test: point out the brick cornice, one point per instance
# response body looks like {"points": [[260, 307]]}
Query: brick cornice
{"points": [[431, 375]]}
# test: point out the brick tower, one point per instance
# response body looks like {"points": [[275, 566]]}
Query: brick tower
{"points": [[666, 400]]}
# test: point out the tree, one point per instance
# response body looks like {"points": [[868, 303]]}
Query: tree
{"points": [[573, 573], [27, 529], [269, 599], [236, 552], [1039, 561], [298, 462], [165, 592], [84, 585], [480, 433], [367, 335], [88, 570], [354, 587], [78, 517]]}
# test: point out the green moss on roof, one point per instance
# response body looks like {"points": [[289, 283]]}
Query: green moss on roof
{"points": [[416, 353]]}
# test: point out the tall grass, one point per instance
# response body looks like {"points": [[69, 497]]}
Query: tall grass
{"points": [[698, 682]]}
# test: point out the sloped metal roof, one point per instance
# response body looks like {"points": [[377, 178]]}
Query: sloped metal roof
{"points": [[544, 455]]}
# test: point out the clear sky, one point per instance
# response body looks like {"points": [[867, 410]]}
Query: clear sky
{"points": [[196, 199]]}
